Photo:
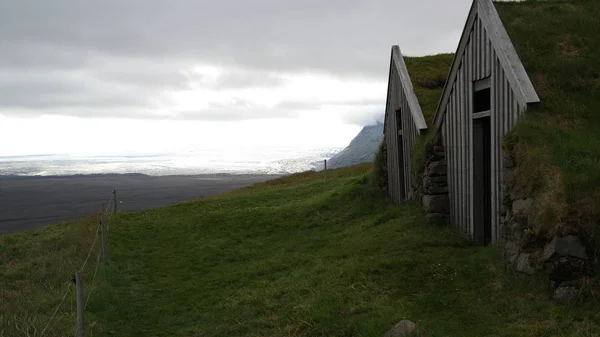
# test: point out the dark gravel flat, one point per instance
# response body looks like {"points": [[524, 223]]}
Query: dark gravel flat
{"points": [[31, 202]]}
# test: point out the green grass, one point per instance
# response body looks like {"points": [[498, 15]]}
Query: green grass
{"points": [[289, 257], [557, 144], [36, 268], [428, 75]]}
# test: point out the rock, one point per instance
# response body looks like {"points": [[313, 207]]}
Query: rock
{"points": [[511, 252], [401, 329], [516, 192], [566, 246], [569, 268], [508, 174], [523, 264], [436, 204], [433, 157], [436, 163], [508, 162], [436, 217], [565, 294], [509, 216], [517, 230], [439, 170], [435, 180], [520, 205], [437, 189]]}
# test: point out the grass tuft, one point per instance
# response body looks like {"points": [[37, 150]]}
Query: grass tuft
{"points": [[379, 175]]}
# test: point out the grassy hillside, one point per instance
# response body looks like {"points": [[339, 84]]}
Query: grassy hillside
{"points": [[290, 257], [557, 144]]}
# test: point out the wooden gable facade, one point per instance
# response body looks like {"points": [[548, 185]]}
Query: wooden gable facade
{"points": [[486, 91], [403, 122]]}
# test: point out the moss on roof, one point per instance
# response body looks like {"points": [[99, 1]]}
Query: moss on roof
{"points": [[557, 143], [428, 75]]}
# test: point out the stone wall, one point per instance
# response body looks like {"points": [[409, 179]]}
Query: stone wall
{"points": [[432, 186], [563, 258]]}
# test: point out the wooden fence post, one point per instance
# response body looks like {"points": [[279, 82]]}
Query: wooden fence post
{"points": [[325, 161], [115, 201], [80, 304], [104, 252]]}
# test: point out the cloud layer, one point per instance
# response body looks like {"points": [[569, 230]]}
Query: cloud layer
{"points": [[211, 60]]}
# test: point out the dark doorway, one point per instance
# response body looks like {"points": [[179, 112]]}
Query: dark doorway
{"points": [[482, 201], [401, 184]]}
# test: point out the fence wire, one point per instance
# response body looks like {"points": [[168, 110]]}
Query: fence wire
{"points": [[91, 249], [56, 310], [91, 286], [106, 213]]}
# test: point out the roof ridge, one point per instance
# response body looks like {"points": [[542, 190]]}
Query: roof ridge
{"points": [[486, 12]]}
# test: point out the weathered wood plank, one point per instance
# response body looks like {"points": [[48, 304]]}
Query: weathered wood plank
{"points": [[511, 63], [483, 12], [406, 85], [455, 64]]}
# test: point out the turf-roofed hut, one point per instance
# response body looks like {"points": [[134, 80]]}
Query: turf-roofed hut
{"points": [[414, 88], [485, 93], [403, 122]]}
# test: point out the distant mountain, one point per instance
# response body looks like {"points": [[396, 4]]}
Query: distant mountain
{"points": [[361, 149]]}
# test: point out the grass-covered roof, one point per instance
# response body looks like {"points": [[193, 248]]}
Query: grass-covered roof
{"points": [[557, 143], [428, 75]]}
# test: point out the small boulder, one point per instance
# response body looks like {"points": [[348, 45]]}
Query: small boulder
{"points": [[434, 157], [511, 252], [517, 230], [520, 205], [436, 204], [436, 170], [565, 294], [441, 162], [566, 246], [523, 264], [401, 329], [437, 189], [508, 162], [434, 180]]}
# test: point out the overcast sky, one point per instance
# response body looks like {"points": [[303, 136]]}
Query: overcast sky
{"points": [[151, 72]]}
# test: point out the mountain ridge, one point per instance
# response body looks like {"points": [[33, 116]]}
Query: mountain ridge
{"points": [[361, 149]]}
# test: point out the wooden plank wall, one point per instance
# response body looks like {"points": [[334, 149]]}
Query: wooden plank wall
{"points": [[397, 100], [480, 61]]}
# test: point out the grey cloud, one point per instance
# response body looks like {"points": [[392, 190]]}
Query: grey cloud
{"points": [[316, 104], [27, 92], [349, 36], [163, 77], [234, 113], [242, 79], [362, 117], [131, 51]]}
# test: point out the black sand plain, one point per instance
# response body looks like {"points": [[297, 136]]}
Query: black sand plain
{"points": [[31, 202]]}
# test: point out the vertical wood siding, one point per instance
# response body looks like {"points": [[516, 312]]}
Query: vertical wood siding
{"points": [[397, 100], [480, 61]]}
